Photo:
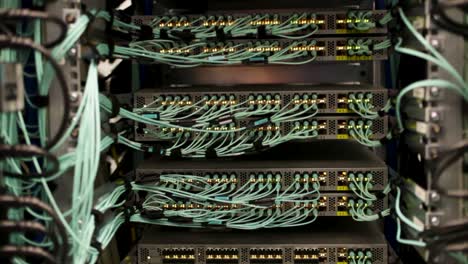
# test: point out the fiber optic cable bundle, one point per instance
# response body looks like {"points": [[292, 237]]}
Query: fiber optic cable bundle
{"points": [[232, 129], [28, 168], [444, 240]]}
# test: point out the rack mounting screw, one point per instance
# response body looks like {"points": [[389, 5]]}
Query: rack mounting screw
{"points": [[435, 221]]}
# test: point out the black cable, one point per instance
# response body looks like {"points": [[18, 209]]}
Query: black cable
{"points": [[29, 151], [34, 203], [10, 251], [446, 159], [17, 42], [8, 226], [19, 14], [441, 19]]}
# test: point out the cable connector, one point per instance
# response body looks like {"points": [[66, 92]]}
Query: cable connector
{"points": [[223, 120], [260, 122], [256, 60]]}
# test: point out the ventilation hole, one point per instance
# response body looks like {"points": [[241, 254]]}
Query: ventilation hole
{"points": [[378, 254], [332, 255], [201, 258], [286, 98], [244, 256], [379, 205], [332, 127], [288, 258], [332, 101], [332, 204], [331, 22], [379, 179], [378, 128], [331, 178], [378, 101], [140, 101], [330, 48], [144, 254]]}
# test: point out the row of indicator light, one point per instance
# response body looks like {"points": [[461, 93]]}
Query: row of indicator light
{"points": [[348, 47], [176, 256], [267, 128], [308, 22], [267, 21], [253, 49], [264, 49], [220, 102], [174, 24], [308, 101], [266, 256], [268, 178], [175, 51], [352, 124], [223, 256], [345, 176], [307, 48], [219, 49], [188, 205], [352, 20], [311, 178]]}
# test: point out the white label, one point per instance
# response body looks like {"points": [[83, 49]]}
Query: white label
{"points": [[419, 92], [124, 5], [417, 221], [419, 192], [422, 127]]}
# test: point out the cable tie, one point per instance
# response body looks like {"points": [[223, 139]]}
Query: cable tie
{"points": [[261, 32], [91, 53], [40, 101], [115, 105], [97, 245], [380, 215], [128, 186], [128, 212], [382, 113], [91, 17], [110, 23], [111, 46], [98, 216]]}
